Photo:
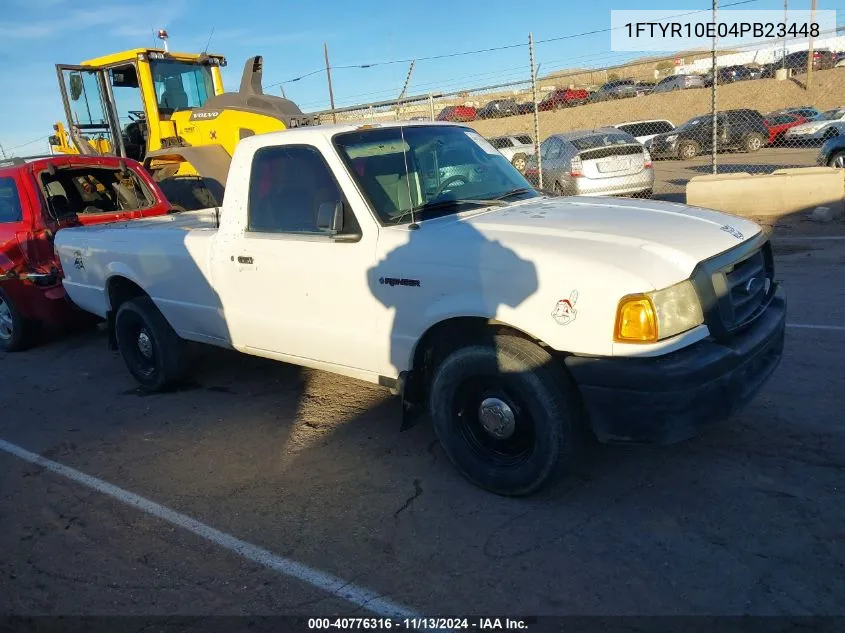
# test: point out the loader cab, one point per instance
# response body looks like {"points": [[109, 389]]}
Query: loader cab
{"points": [[124, 104]]}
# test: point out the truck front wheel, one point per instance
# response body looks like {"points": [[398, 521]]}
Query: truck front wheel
{"points": [[505, 414], [153, 352]]}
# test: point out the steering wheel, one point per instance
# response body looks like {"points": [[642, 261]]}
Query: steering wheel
{"points": [[444, 186], [137, 115]]}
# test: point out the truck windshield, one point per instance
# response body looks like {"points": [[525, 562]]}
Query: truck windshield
{"points": [[181, 85], [432, 168]]}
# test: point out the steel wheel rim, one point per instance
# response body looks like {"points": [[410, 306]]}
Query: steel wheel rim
{"points": [[6, 323], [519, 163], [688, 152], [138, 344], [838, 161], [515, 444], [754, 143]]}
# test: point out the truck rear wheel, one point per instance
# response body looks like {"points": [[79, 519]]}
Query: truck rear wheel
{"points": [[16, 333], [505, 414], [153, 352]]}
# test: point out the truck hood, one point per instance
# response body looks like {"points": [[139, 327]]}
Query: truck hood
{"points": [[658, 241]]}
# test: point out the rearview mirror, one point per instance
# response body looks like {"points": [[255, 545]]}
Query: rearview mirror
{"points": [[75, 86], [330, 217]]}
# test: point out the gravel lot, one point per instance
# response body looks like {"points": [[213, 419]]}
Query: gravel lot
{"points": [[747, 518]]}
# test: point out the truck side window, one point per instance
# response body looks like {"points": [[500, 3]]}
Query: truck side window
{"points": [[287, 186], [10, 204]]}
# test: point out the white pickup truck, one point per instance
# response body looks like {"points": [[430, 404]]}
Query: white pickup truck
{"points": [[415, 256]]}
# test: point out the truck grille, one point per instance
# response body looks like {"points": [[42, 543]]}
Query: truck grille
{"points": [[744, 288]]}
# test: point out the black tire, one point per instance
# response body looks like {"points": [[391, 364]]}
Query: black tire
{"points": [[538, 393], [17, 334], [557, 189], [753, 142], [837, 160], [688, 150], [160, 360]]}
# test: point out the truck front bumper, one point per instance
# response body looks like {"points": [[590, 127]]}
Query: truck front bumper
{"points": [[667, 399]]}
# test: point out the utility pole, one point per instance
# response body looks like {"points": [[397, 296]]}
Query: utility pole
{"points": [[329, 77], [810, 49], [713, 88], [785, 14], [404, 88], [536, 111]]}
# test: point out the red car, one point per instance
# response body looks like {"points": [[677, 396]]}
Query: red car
{"points": [[778, 124], [39, 196], [458, 114], [563, 98]]}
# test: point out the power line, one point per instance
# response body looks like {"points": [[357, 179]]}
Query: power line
{"points": [[494, 48]]}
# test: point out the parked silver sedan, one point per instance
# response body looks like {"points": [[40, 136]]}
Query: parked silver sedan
{"points": [[604, 161]]}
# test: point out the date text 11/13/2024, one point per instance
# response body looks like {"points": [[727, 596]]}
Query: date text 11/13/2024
{"points": [[422, 624]]}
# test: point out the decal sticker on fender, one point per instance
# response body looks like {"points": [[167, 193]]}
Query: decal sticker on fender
{"points": [[729, 229], [565, 312]]}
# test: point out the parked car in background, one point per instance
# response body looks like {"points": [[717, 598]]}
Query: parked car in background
{"points": [[563, 98], [808, 112], [679, 82], [797, 62], [832, 153], [457, 114], [516, 148], [499, 108], [829, 124], [604, 161], [618, 89], [526, 107], [645, 130], [778, 124], [730, 74], [644, 87], [741, 129], [40, 196]]}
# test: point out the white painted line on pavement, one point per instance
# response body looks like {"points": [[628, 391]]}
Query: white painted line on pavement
{"points": [[364, 598], [807, 326]]}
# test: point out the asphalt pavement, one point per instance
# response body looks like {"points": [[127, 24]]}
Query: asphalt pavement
{"points": [[305, 468]]}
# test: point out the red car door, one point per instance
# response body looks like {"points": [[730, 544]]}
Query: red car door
{"points": [[15, 220]]}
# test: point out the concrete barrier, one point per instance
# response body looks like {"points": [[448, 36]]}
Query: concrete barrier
{"points": [[783, 192]]}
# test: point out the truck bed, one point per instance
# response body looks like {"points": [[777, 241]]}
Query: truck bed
{"points": [[168, 256]]}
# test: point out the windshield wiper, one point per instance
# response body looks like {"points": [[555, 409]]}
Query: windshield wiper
{"points": [[440, 205], [512, 193]]}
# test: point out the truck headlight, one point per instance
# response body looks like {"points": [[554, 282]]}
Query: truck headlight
{"points": [[671, 138], [654, 316]]}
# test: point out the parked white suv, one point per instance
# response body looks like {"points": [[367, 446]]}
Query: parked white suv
{"points": [[516, 148], [646, 130]]}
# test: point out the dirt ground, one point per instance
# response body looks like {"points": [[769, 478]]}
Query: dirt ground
{"points": [[745, 519], [764, 95]]}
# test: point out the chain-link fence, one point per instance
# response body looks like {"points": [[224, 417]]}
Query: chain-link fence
{"points": [[646, 127]]}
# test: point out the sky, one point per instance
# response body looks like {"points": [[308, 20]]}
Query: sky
{"points": [[37, 34]]}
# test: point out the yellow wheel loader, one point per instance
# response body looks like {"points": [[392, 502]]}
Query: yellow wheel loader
{"points": [[169, 111]]}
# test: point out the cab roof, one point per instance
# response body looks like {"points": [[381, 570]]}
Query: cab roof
{"points": [[132, 55]]}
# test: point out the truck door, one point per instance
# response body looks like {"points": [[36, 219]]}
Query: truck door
{"points": [[90, 110], [287, 285]]}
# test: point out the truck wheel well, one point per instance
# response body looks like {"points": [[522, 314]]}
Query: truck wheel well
{"points": [[446, 336], [120, 290]]}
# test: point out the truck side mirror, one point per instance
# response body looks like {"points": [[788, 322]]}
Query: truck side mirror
{"points": [[330, 217]]}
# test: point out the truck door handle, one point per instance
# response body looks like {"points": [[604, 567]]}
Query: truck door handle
{"points": [[244, 259]]}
